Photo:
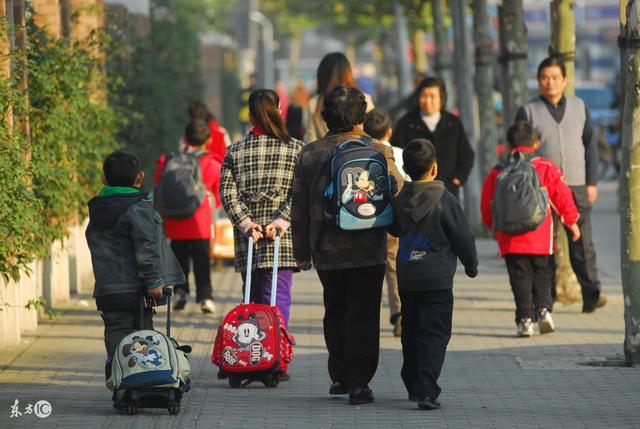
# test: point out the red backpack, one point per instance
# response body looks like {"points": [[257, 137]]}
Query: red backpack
{"points": [[252, 342]]}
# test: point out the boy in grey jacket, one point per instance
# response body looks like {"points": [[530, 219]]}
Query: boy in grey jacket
{"points": [[129, 252], [433, 233]]}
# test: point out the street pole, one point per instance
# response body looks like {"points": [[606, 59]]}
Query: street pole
{"points": [[443, 56], [464, 96], [563, 46], [267, 47], [404, 71], [484, 88], [630, 178]]}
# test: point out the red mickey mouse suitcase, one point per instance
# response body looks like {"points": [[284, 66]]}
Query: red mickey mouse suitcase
{"points": [[253, 343]]}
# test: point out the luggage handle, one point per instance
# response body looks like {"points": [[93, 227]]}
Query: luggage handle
{"points": [[167, 292], [247, 278], [274, 275]]}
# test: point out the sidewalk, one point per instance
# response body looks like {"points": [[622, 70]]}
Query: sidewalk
{"points": [[490, 378]]}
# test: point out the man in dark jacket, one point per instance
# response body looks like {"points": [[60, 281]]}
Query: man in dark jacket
{"points": [[351, 264], [433, 233], [429, 120], [129, 252]]}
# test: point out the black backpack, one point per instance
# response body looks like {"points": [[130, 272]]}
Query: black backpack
{"points": [[520, 203], [180, 191], [358, 193]]}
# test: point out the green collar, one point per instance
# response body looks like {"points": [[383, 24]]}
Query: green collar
{"points": [[113, 190]]}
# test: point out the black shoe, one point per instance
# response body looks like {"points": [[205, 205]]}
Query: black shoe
{"points": [[602, 300], [180, 301], [397, 327], [360, 395], [338, 388], [414, 398], [428, 404]]}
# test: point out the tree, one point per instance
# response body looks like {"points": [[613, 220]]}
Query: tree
{"points": [[484, 88], [513, 46], [443, 63], [630, 178], [464, 98], [563, 45]]}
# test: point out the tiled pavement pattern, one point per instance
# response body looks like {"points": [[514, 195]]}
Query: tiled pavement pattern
{"points": [[490, 378]]}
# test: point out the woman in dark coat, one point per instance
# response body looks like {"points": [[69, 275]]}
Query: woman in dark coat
{"points": [[429, 120]]}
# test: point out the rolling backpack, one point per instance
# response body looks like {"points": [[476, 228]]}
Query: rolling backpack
{"points": [[358, 193], [150, 369], [253, 343], [520, 203], [181, 190]]}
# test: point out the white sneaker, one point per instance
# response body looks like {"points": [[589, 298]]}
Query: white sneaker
{"points": [[525, 327], [208, 306], [545, 322]]}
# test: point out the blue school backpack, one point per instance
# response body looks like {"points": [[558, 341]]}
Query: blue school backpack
{"points": [[358, 193]]}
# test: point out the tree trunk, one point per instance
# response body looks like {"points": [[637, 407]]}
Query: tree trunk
{"points": [[294, 55], [563, 45], [420, 64], [630, 180], [484, 88], [443, 56], [513, 58], [404, 69], [464, 97]]}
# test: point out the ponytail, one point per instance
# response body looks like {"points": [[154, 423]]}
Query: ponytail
{"points": [[263, 107]]}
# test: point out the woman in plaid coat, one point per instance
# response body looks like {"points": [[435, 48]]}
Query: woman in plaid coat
{"points": [[255, 188]]}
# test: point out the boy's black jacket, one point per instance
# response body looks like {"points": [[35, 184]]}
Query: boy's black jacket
{"points": [[433, 233], [129, 251]]}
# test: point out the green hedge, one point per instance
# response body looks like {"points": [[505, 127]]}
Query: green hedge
{"points": [[47, 181]]}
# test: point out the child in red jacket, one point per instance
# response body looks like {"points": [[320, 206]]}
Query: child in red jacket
{"points": [[527, 255], [190, 237]]}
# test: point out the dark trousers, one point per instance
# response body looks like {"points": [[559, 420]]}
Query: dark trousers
{"points": [[198, 252], [352, 322], [531, 279], [119, 324], [582, 253], [426, 331]]}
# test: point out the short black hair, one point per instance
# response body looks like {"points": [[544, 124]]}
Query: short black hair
{"points": [[418, 157], [552, 62], [121, 168], [197, 132], [521, 134], [429, 82], [377, 124], [344, 108]]}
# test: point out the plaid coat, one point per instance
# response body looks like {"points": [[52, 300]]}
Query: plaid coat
{"points": [[256, 182]]}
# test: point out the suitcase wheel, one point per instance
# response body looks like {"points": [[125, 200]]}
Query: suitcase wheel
{"points": [[271, 381], [129, 408], [173, 408], [235, 382]]}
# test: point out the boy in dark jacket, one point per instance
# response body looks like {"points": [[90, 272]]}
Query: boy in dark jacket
{"points": [[433, 233], [129, 252]]}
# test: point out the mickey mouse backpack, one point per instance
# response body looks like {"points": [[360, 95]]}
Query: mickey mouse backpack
{"points": [[253, 343], [358, 193], [150, 370]]}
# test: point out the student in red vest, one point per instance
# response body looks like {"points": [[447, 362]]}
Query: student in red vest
{"points": [[190, 237]]}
